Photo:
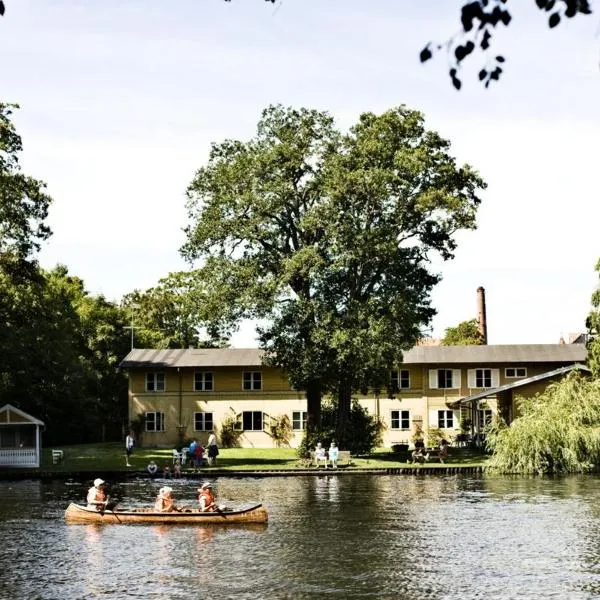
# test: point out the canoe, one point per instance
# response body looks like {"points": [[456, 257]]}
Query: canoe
{"points": [[77, 513]]}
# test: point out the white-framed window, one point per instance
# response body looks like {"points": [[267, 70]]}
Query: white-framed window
{"points": [[483, 378], [401, 379], [445, 419], [155, 381], [203, 421], [252, 420], [299, 420], [203, 381], [514, 372], [400, 419], [252, 380], [155, 421], [444, 379], [485, 416]]}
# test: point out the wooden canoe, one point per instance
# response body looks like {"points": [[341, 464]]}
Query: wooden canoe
{"points": [[77, 513]]}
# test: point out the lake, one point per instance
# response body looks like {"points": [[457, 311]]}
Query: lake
{"points": [[331, 536]]}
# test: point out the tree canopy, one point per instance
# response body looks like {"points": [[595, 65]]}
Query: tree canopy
{"points": [[23, 203], [465, 333], [170, 314], [327, 235]]}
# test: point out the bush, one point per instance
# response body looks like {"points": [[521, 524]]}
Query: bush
{"points": [[229, 433], [280, 430]]}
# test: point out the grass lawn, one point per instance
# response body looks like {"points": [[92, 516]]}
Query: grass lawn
{"points": [[111, 457]]}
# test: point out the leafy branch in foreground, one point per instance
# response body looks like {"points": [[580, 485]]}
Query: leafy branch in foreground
{"points": [[479, 21]]}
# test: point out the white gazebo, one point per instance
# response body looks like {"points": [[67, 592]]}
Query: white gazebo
{"points": [[20, 438]]}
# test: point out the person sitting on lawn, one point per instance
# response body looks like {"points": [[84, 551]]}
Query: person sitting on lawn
{"points": [[206, 498], [164, 500], [177, 469], [152, 468], [419, 456]]}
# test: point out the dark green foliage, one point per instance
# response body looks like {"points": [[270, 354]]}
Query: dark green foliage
{"points": [[364, 431], [327, 236]]}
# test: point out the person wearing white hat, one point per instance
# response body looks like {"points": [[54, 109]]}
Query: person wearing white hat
{"points": [[164, 500], [96, 497], [206, 498]]}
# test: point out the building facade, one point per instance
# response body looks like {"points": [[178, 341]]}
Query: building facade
{"points": [[184, 394]]}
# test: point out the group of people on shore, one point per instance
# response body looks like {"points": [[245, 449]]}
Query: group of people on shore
{"points": [[98, 499], [194, 454]]}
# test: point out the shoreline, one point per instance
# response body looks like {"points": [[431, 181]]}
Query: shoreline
{"points": [[20, 474]]}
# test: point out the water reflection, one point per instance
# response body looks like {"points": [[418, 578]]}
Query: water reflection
{"points": [[332, 536]]}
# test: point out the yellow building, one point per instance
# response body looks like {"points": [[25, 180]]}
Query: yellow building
{"points": [[185, 394]]}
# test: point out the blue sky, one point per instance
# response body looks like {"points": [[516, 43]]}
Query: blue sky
{"points": [[121, 99]]}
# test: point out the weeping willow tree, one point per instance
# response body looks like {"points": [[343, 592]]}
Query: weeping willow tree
{"points": [[557, 432]]}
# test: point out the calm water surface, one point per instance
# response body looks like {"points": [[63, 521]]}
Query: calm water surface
{"points": [[359, 536]]}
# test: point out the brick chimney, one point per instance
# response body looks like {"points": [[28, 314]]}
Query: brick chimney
{"points": [[481, 316]]}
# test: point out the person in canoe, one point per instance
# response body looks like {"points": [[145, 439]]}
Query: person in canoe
{"points": [[206, 498], [97, 498], [164, 501]]}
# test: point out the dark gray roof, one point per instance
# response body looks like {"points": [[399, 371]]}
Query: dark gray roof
{"points": [[201, 357], [522, 382], [506, 353], [251, 357]]}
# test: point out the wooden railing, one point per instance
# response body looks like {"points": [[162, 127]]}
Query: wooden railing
{"points": [[18, 457]]}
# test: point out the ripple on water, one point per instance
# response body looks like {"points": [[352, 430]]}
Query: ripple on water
{"points": [[328, 537]]}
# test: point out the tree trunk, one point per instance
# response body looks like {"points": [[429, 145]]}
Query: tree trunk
{"points": [[343, 409], [313, 406]]}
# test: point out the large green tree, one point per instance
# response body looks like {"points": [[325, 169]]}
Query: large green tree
{"points": [[465, 333], [23, 204], [172, 314], [327, 235]]}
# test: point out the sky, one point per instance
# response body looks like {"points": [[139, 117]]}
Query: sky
{"points": [[121, 99]]}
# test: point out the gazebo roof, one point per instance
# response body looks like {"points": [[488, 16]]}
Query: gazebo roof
{"points": [[11, 415]]}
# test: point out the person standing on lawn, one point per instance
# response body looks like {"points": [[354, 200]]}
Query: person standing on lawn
{"points": [[213, 449], [129, 444]]}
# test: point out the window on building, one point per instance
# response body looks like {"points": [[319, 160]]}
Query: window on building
{"points": [[512, 372], [483, 378], [400, 379], [203, 421], [252, 380], [485, 416], [252, 420], [444, 378], [203, 381], [155, 382], [445, 419], [400, 419], [298, 420], [155, 421]]}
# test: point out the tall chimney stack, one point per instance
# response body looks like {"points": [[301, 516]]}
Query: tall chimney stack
{"points": [[481, 316]]}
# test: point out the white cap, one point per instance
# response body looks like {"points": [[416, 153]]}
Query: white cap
{"points": [[98, 482], [166, 490]]}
